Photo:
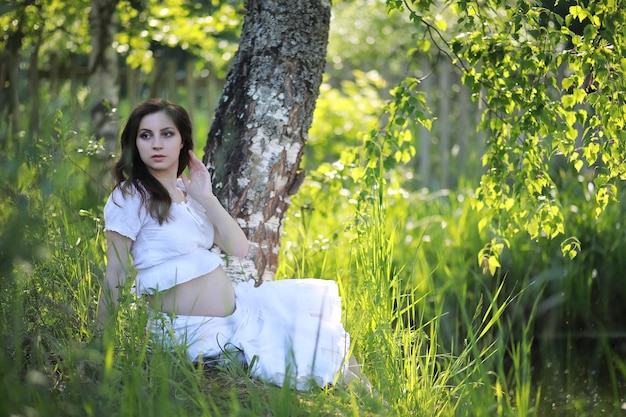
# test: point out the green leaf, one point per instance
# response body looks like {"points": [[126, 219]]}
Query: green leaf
{"points": [[441, 24], [578, 165], [572, 133], [578, 13], [494, 264], [568, 101]]}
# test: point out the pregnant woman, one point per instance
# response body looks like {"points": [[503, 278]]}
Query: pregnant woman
{"points": [[290, 331]]}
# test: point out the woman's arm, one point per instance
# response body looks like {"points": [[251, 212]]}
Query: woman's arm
{"points": [[118, 248], [228, 234]]}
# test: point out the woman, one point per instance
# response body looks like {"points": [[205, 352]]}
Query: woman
{"points": [[289, 331]]}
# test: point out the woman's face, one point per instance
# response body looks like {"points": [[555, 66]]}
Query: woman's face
{"points": [[159, 143]]}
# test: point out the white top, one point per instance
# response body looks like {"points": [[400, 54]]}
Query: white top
{"points": [[168, 254]]}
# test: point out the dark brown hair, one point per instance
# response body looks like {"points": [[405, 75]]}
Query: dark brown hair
{"points": [[131, 172]]}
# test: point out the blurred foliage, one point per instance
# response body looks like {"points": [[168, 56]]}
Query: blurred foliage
{"points": [[207, 30], [59, 168], [359, 27], [342, 115], [58, 26]]}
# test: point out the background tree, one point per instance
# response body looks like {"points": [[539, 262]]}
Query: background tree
{"points": [[103, 71], [31, 33], [261, 124]]}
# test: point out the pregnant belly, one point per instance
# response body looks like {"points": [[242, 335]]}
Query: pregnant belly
{"points": [[211, 294]]}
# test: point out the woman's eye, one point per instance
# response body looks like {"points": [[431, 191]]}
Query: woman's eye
{"points": [[144, 135], [168, 133]]}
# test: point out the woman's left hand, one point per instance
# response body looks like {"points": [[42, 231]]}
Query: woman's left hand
{"points": [[228, 233], [198, 185]]}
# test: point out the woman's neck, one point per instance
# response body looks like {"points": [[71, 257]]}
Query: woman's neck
{"points": [[170, 182]]}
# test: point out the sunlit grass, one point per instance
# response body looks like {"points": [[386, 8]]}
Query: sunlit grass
{"points": [[67, 369], [435, 334], [394, 258]]}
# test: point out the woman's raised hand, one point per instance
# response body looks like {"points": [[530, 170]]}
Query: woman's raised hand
{"points": [[198, 184], [228, 234]]}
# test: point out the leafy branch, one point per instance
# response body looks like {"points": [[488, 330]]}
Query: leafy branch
{"points": [[530, 70]]}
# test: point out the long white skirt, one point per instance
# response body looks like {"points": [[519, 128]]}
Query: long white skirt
{"points": [[290, 332]]}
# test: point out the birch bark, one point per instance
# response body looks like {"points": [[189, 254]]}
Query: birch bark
{"points": [[262, 120]]}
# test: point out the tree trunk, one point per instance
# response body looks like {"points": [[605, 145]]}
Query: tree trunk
{"points": [[33, 86], [103, 71], [9, 87], [262, 121], [444, 123], [424, 134]]}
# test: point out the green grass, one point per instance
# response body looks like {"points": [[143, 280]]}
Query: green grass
{"points": [[396, 292], [436, 335]]}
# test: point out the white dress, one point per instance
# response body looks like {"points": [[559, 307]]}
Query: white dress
{"points": [[290, 331]]}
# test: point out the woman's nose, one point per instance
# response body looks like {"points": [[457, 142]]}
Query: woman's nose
{"points": [[157, 143]]}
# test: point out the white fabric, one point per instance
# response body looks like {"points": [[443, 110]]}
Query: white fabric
{"points": [[168, 254], [290, 332]]}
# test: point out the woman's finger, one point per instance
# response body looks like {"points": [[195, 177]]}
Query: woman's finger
{"points": [[195, 163], [193, 157]]}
